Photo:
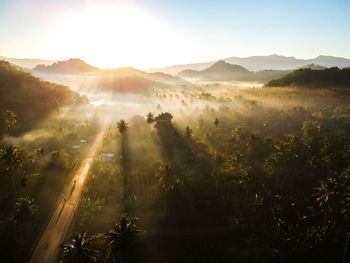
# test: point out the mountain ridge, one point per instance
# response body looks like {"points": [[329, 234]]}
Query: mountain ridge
{"points": [[257, 63], [72, 65]]}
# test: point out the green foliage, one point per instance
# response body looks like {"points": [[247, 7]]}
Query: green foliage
{"points": [[11, 158], [150, 118], [122, 126], [163, 120], [7, 120], [59, 159], [122, 236], [29, 98], [166, 177], [331, 77], [78, 249], [188, 132], [26, 209]]}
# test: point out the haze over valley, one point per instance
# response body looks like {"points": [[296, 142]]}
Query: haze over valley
{"points": [[155, 131]]}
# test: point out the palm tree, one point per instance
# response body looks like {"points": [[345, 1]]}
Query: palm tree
{"points": [[325, 194], [188, 132], [122, 127], [150, 118], [121, 237], [166, 180], [25, 209], [216, 122], [11, 160], [219, 161], [7, 120], [78, 250], [39, 152]]}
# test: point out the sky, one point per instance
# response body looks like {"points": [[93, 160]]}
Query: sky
{"points": [[156, 33]]}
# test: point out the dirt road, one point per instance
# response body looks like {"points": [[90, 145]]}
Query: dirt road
{"points": [[47, 249]]}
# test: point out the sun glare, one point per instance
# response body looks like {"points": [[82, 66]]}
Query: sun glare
{"points": [[110, 35]]}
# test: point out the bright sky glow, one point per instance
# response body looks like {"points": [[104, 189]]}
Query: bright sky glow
{"points": [[154, 33]]}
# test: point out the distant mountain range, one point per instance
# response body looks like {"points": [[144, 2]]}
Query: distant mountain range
{"points": [[257, 63], [223, 71], [80, 75], [27, 63], [71, 66]]}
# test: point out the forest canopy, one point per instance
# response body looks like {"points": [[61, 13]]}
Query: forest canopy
{"points": [[28, 97], [330, 77]]}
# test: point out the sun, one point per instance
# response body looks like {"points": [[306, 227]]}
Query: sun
{"points": [[110, 35]]}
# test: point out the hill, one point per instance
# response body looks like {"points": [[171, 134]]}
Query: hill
{"points": [[223, 71], [219, 71], [111, 80], [331, 77], [28, 63], [130, 80], [313, 66], [28, 97], [257, 63], [70, 66]]}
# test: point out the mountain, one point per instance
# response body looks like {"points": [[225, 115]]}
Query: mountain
{"points": [[131, 80], [276, 62], [219, 71], [154, 76], [86, 78], [329, 61], [257, 63], [27, 63], [223, 71], [70, 66], [28, 97], [330, 77], [313, 66]]}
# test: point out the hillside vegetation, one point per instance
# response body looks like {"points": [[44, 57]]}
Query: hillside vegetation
{"points": [[332, 77], [73, 65], [223, 71], [29, 97], [86, 78]]}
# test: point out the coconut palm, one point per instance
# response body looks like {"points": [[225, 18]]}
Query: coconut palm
{"points": [[188, 132], [78, 249], [325, 195], [122, 126], [11, 160], [7, 120], [150, 118], [216, 122], [167, 180], [121, 237], [25, 209], [39, 152], [219, 161]]}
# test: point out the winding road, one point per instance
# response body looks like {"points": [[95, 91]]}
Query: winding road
{"points": [[47, 249]]}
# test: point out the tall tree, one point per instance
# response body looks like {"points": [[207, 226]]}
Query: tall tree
{"points": [[122, 127], [188, 132], [325, 195], [167, 180], [11, 160], [7, 120], [121, 237], [78, 250], [216, 122], [150, 118], [26, 209]]}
